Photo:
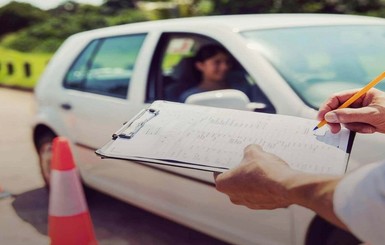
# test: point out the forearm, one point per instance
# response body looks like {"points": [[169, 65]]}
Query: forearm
{"points": [[316, 193]]}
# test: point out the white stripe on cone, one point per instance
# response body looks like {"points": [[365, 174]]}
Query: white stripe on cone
{"points": [[59, 195]]}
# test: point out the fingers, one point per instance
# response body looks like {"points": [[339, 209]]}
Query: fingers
{"points": [[223, 182], [255, 155], [361, 120], [338, 99], [365, 115], [262, 205], [334, 127], [335, 101], [252, 151], [357, 120], [352, 115], [361, 128]]}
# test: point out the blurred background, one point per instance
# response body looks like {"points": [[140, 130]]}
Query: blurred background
{"points": [[31, 31]]}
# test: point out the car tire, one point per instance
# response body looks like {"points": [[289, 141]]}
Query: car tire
{"points": [[322, 232], [44, 151]]}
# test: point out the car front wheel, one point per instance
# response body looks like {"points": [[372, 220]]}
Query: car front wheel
{"points": [[44, 150]]}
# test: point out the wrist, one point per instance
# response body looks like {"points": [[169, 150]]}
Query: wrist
{"points": [[316, 192], [308, 190]]}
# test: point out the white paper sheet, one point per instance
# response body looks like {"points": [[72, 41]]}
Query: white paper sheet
{"points": [[216, 138]]}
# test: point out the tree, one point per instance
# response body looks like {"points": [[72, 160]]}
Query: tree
{"points": [[374, 7], [242, 7], [114, 6], [15, 16], [328, 6]]}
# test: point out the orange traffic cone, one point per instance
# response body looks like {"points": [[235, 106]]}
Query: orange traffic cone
{"points": [[69, 221]]}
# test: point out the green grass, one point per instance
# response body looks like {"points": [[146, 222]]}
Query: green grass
{"points": [[18, 60]]}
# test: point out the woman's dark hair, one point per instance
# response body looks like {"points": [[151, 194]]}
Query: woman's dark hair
{"points": [[208, 51]]}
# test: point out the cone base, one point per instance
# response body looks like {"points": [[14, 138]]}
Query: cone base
{"points": [[71, 230]]}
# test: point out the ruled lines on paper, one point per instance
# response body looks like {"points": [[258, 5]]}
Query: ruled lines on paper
{"points": [[214, 137]]}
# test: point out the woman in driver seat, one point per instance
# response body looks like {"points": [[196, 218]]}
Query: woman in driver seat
{"points": [[213, 62]]}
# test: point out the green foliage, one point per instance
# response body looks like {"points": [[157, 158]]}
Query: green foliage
{"points": [[34, 30], [115, 6], [15, 16], [126, 16], [327, 6], [47, 36], [299, 6], [67, 19], [204, 7], [242, 7]]}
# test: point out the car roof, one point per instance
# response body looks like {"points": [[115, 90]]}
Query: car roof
{"points": [[239, 23], [263, 21]]}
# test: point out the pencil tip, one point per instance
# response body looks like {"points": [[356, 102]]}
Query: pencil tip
{"points": [[315, 128]]}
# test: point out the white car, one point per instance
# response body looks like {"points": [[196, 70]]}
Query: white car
{"points": [[286, 64]]}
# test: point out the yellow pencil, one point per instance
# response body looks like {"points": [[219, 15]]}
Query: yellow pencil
{"points": [[356, 96]]}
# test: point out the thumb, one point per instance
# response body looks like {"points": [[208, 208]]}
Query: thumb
{"points": [[351, 115]]}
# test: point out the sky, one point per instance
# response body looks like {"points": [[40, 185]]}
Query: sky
{"points": [[48, 4]]}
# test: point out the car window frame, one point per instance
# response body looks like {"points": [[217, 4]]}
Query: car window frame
{"points": [[154, 89], [89, 62]]}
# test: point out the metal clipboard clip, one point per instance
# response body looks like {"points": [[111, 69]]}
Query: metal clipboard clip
{"points": [[121, 132]]}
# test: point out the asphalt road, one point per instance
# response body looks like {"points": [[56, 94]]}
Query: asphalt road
{"points": [[23, 215]]}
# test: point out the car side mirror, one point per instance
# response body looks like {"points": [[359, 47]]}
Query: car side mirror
{"points": [[227, 98]]}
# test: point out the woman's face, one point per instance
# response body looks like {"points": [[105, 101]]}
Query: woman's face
{"points": [[215, 68]]}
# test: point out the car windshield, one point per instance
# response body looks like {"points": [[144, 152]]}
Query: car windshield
{"points": [[318, 61]]}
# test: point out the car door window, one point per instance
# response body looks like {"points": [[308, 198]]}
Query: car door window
{"points": [[106, 66], [175, 70], [77, 73], [172, 68]]}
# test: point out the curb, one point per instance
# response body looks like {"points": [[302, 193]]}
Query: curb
{"points": [[17, 88]]}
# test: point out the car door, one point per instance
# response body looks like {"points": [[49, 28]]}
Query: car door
{"points": [[172, 69], [97, 87], [184, 195]]}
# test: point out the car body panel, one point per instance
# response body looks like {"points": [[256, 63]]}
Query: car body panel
{"points": [[185, 196]]}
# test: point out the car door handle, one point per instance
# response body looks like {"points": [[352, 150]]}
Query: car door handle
{"points": [[66, 106]]}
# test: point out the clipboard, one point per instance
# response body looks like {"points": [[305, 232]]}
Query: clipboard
{"points": [[121, 133], [133, 126], [186, 136]]}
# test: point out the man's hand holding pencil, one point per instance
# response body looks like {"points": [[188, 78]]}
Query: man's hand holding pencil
{"points": [[365, 115], [264, 181]]}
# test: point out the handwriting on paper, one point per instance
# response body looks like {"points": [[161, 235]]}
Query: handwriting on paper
{"points": [[208, 136]]}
